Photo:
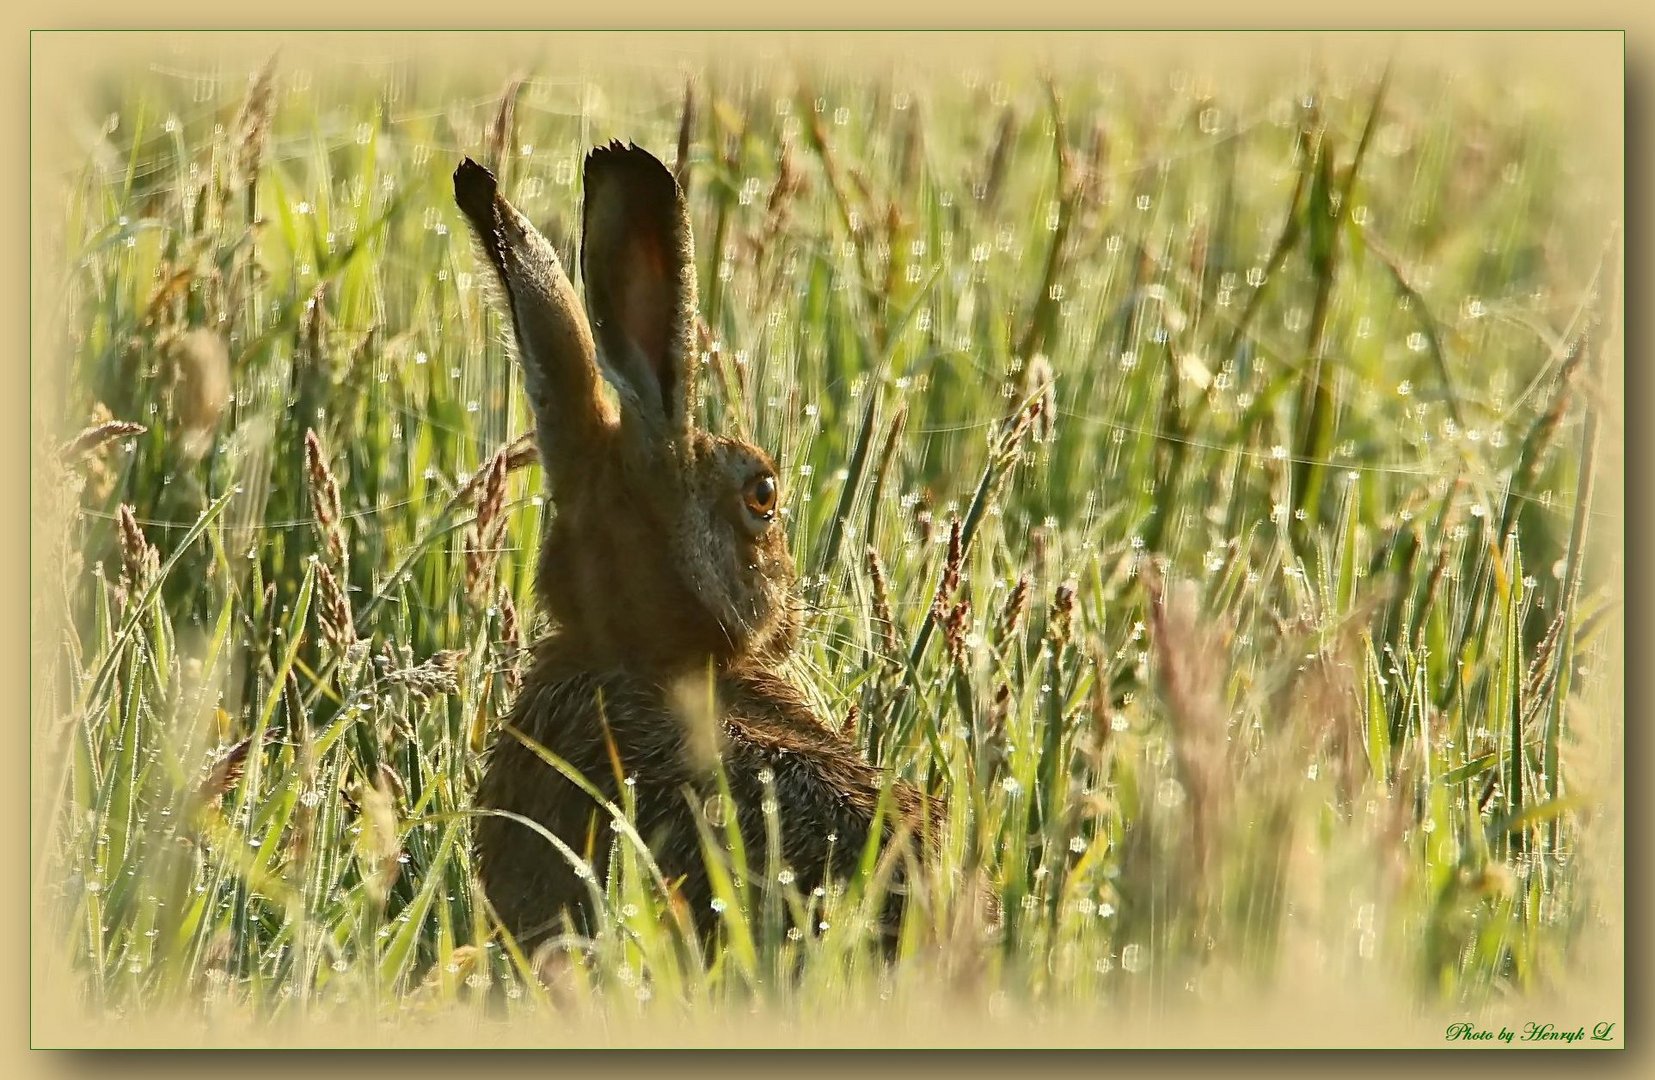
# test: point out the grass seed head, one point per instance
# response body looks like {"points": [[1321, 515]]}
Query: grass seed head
{"points": [[326, 508], [1099, 708], [883, 619], [437, 674], [1015, 607], [493, 492], [140, 561], [253, 124], [94, 439], [224, 774], [1060, 620], [996, 742], [1040, 389], [955, 629], [482, 548], [686, 138], [520, 453], [293, 701], [510, 649], [334, 611], [950, 581], [987, 188], [485, 535], [313, 330]]}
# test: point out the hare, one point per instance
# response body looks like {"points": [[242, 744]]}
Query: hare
{"points": [[666, 572]]}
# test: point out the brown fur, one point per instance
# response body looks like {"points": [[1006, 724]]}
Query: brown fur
{"points": [[665, 588]]}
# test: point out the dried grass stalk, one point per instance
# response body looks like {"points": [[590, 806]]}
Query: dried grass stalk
{"points": [[497, 147], [1189, 657], [202, 390]]}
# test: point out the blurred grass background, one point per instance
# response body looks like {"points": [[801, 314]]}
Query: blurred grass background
{"points": [[1189, 477]]}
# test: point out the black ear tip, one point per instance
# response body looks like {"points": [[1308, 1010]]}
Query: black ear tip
{"points": [[628, 162], [603, 154], [474, 188]]}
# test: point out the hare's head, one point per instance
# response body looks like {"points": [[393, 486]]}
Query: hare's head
{"points": [[666, 549]]}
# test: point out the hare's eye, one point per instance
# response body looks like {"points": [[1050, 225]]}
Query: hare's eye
{"points": [[759, 496]]}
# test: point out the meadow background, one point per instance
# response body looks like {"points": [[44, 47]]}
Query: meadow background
{"points": [[1190, 473]]}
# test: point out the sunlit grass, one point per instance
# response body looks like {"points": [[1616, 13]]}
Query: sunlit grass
{"points": [[1184, 484]]}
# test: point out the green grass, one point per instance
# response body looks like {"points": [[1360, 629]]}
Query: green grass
{"points": [[1322, 357]]}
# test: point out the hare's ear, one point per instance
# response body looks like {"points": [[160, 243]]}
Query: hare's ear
{"points": [[638, 262], [554, 343]]}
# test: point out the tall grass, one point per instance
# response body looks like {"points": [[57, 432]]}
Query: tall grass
{"points": [[1188, 482]]}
